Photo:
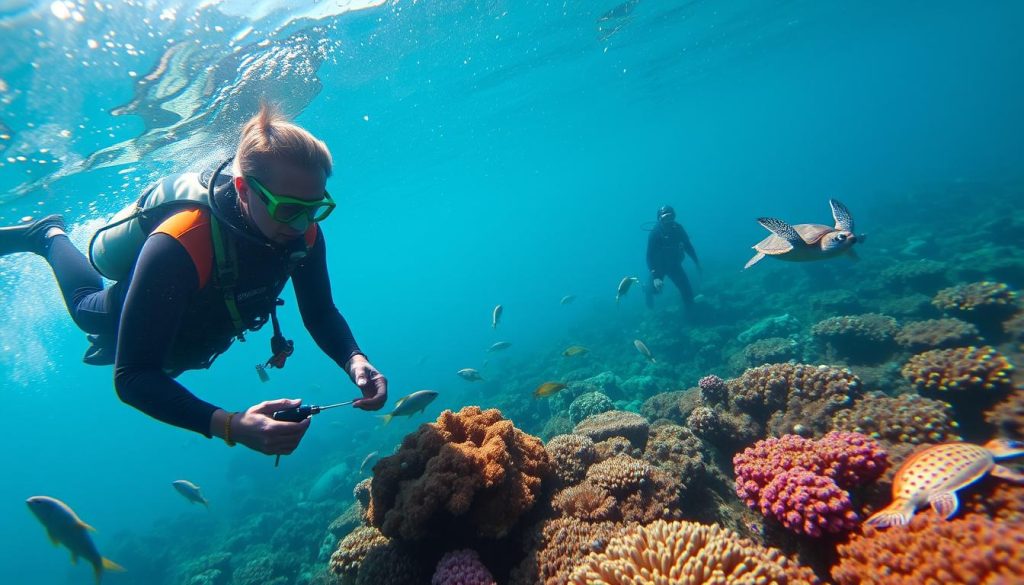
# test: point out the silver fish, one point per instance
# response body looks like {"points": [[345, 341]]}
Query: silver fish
{"points": [[642, 348], [496, 316], [411, 404], [190, 491], [624, 285], [470, 374], [499, 346], [366, 460], [567, 299]]}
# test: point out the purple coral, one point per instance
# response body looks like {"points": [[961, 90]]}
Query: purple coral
{"points": [[461, 567], [801, 482]]}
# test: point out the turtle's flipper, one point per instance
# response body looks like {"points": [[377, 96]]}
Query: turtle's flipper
{"points": [[757, 258], [945, 504], [844, 221], [1008, 474], [782, 229]]}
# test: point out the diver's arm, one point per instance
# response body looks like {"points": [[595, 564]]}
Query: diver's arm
{"points": [[688, 247], [165, 278], [319, 314], [653, 250]]}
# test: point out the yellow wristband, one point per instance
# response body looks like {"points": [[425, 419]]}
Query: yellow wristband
{"points": [[227, 430]]}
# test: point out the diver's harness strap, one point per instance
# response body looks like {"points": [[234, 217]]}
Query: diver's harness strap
{"points": [[225, 254]]}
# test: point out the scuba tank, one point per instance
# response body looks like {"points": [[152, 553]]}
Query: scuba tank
{"points": [[114, 247]]}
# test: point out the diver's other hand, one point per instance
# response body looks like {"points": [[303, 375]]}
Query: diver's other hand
{"points": [[657, 283], [371, 383], [256, 429]]}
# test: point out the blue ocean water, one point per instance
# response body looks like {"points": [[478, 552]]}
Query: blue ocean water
{"points": [[486, 153]]}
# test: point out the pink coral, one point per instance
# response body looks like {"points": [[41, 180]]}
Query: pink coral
{"points": [[462, 567], [808, 503], [800, 482]]}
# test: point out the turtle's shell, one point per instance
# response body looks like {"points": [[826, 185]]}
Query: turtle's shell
{"points": [[811, 233]]}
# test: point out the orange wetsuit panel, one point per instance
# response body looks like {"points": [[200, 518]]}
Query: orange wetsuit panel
{"points": [[192, 230]]}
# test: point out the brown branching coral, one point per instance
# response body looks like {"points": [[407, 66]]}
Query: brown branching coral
{"points": [[857, 338], [620, 474], [936, 334], [949, 372], [972, 549], [571, 455], [587, 501], [471, 470], [686, 552]]}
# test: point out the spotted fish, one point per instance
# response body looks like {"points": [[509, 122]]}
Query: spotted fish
{"points": [[934, 475]]}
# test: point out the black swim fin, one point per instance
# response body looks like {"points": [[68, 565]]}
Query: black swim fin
{"points": [[29, 236]]}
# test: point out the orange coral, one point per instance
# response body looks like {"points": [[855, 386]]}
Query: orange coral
{"points": [[972, 549], [471, 470], [561, 544], [686, 552]]}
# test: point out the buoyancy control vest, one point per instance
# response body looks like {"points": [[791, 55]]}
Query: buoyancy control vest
{"points": [[115, 247]]}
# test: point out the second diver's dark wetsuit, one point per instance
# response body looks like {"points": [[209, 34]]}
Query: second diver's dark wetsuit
{"points": [[169, 316], [667, 246]]}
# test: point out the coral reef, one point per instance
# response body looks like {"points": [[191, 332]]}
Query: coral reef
{"points": [[1008, 415], [955, 373], [866, 338], [973, 549], [472, 469], [559, 545], [587, 501], [462, 567], [685, 552], [713, 390], [673, 406], [900, 423], [675, 449], [936, 334], [616, 423], [770, 350], [919, 275], [985, 304], [799, 481], [352, 551], [778, 326], [571, 455], [589, 404]]}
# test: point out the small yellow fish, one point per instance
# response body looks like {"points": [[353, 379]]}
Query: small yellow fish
{"points": [[63, 526], [568, 299], [624, 285], [547, 389], [574, 350], [496, 316], [642, 348]]}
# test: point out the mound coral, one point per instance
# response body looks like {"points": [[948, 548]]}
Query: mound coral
{"points": [[936, 334], [462, 567], [770, 351], [857, 338], [570, 456], [986, 304], [713, 390], [589, 404], [686, 552], [906, 419], [973, 549], [675, 449], [919, 275], [953, 373], [616, 423], [1008, 415], [559, 545], [352, 551], [674, 406], [471, 470], [788, 478]]}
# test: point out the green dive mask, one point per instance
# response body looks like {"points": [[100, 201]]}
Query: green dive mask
{"points": [[288, 209]]}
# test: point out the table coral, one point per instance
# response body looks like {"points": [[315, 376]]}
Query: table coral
{"points": [[858, 338], [936, 334], [616, 423]]}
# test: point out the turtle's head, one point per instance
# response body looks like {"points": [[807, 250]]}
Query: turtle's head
{"points": [[837, 240]]}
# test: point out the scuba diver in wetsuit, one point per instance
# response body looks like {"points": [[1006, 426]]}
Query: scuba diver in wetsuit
{"points": [[667, 246], [206, 272]]}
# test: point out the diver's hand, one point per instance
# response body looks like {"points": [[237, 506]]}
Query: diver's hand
{"points": [[371, 383], [256, 429], [657, 283]]}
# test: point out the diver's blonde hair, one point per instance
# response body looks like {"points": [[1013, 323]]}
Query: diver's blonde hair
{"points": [[270, 136]]}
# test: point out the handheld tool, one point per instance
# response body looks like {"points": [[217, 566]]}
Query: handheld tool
{"points": [[301, 413]]}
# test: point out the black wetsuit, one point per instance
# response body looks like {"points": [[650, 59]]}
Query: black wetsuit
{"points": [[164, 319], [667, 246]]}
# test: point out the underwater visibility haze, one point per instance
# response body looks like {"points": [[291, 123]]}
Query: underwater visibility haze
{"points": [[516, 154]]}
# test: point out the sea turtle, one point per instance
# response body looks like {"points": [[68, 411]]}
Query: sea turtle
{"points": [[934, 475], [808, 241]]}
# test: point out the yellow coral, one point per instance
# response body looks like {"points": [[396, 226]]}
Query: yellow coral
{"points": [[665, 553]]}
